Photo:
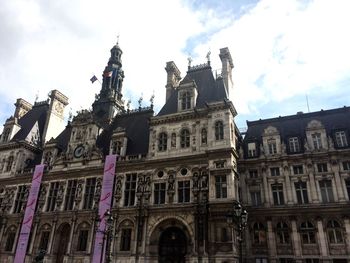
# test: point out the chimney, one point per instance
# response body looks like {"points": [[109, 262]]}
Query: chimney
{"points": [[226, 71], [22, 107], [173, 78]]}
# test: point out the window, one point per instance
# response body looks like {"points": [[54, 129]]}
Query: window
{"points": [[277, 193], [311, 260], [89, 193], [272, 146], [256, 198], [316, 141], [259, 233], [347, 184], [70, 195], [20, 199], [44, 240], [82, 240], [204, 135], [326, 191], [159, 193], [298, 169], [162, 141], [301, 191], [219, 130], [252, 149], [346, 166], [340, 139], [282, 233], [221, 186], [294, 145], [11, 236], [125, 239], [184, 191], [185, 138], [6, 135], [117, 147], [51, 201], [334, 232], [186, 100], [9, 164], [322, 167], [130, 189], [275, 171], [224, 234], [253, 173], [307, 231]]}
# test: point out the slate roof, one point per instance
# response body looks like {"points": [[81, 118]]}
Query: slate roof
{"points": [[136, 125], [295, 125], [209, 89], [62, 139]]}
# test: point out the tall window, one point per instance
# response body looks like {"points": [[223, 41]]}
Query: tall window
{"points": [[282, 233], [259, 233], [322, 167], [9, 164], [316, 141], [51, 200], [219, 130], [11, 236], [347, 183], [20, 199], [326, 191], [125, 239], [159, 193], [130, 190], [301, 191], [186, 100], [70, 195], [117, 147], [184, 191], [162, 141], [334, 232], [307, 232], [82, 240], [294, 145], [277, 193], [253, 173], [252, 149], [275, 171], [185, 138], [340, 139], [256, 198], [204, 135], [89, 193], [44, 240], [346, 166], [220, 186], [298, 169], [272, 146]]}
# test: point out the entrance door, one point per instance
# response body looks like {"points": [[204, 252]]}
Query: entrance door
{"points": [[62, 242], [172, 246]]}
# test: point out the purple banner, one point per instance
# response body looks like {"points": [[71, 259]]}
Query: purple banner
{"points": [[104, 205], [29, 215]]}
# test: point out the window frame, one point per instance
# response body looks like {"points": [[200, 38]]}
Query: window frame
{"points": [[159, 193], [219, 130], [162, 141], [183, 190], [185, 138], [294, 144], [130, 189], [220, 186], [340, 138], [89, 193], [301, 192], [277, 194], [326, 191]]}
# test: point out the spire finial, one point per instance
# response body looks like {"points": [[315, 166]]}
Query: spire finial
{"points": [[152, 99], [118, 40], [189, 59], [208, 56], [140, 101]]}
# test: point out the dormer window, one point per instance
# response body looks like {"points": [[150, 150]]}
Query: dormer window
{"points": [[117, 146], [272, 146], [340, 139], [185, 138], [186, 100], [294, 145], [316, 140], [219, 130], [252, 149], [162, 141]]}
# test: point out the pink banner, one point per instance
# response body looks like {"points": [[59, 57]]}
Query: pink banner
{"points": [[104, 205], [29, 215]]}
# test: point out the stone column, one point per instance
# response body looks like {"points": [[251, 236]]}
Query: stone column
{"points": [[288, 185], [35, 229], [267, 201], [347, 231], [295, 238], [3, 222], [322, 239], [313, 190], [92, 236], [271, 241], [52, 234], [337, 180], [71, 234]]}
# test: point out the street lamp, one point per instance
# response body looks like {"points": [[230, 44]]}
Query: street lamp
{"points": [[107, 236], [238, 217]]}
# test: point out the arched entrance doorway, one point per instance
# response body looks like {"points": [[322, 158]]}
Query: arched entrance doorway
{"points": [[62, 240], [172, 246]]}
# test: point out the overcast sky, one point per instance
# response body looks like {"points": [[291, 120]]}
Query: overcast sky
{"points": [[285, 52]]}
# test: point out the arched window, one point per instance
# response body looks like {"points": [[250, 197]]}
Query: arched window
{"points": [[186, 100], [334, 232], [162, 141], [204, 135], [126, 235], [83, 236], [10, 239], [9, 164], [282, 233], [185, 138], [259, 233], [219, 130], [307, 231]]}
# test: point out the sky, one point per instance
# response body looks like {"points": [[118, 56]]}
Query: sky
{"points": [[288, 56]]}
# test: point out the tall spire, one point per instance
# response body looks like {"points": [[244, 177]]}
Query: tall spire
{"points": [[109, 101]]}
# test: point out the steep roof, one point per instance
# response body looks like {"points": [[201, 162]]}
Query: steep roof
{"points": [[209, 89]]}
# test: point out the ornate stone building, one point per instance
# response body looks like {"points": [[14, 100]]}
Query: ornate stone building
{"points": [[177, 175]]}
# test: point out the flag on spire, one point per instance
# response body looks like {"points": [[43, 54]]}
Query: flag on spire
{"points": [[93, 79]]}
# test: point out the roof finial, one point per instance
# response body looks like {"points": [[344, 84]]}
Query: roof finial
{"points": [[189, 59], [36, 96], [208, 57], [118, 40], [152, 99], [140, 101]]}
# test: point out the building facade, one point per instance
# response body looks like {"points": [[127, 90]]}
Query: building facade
{"points": [[178, 173]]}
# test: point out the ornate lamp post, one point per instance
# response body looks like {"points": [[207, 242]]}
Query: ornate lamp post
{"points": [[107, 236], [237, 219]]}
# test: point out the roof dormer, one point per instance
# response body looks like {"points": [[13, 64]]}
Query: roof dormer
{"points": [[187, 96]]}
